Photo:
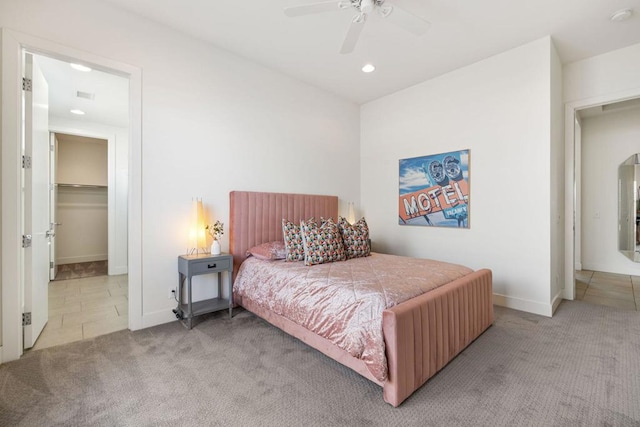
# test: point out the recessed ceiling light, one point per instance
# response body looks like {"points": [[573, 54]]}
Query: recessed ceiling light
{"points": [[77, 112], [369, 68], [80, 67], [621, 15]]}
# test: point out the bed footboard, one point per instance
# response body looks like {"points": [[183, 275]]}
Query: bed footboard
{"points": [[423, 334]]}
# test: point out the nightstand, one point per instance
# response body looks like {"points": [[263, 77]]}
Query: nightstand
{"points": [[194, 265]]}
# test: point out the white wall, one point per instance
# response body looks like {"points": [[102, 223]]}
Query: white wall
{"points": [[212, 122], [557, 181], [500, 109], [82, 237], [605, 75], [607, 141], [82, 161]]}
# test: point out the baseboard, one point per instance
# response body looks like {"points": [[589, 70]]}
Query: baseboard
{"points": [[578, 266], [158, 318], [523, 305], [555, 303], [117, 271], [82, 258], [631, 269]]}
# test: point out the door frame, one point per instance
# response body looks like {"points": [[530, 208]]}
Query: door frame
{"points": [[13, 43], [572, 210]]}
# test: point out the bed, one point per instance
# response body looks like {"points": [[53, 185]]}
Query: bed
{"points": [[421, 335]]}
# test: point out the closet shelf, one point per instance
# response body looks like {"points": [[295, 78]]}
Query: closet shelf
{"points": [[80, 186]]}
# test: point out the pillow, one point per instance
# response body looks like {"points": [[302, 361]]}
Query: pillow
{"points": [[269, 251], [293, 240], [355, 238], [322, 243]]}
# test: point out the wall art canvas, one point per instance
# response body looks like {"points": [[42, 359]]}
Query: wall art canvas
{"points": [[434, 190]]}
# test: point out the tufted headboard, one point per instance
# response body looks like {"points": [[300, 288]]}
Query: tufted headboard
{"points": [[256, 218]]}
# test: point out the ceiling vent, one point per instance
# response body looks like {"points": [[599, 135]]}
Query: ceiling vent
{"points": [[85, 95]]}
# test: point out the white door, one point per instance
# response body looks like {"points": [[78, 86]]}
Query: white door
{"points": [[36, 202], [53, 206]]}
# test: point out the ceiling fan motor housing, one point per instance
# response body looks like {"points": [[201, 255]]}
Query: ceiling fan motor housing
{"points": [[366, 6]]}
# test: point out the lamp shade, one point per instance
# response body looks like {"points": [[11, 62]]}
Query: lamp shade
{"points": [[197, 232], [351, 216]]}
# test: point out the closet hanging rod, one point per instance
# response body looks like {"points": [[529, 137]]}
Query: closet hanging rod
{"points": [[81, 186]]}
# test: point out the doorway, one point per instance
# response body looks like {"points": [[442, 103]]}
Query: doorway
{"points": [[606, 136], [596, 271], [80, 205], [13, 275], [80, 202]]}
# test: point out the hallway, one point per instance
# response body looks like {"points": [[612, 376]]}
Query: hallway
{"points": [[85, 308], [610, 289]]}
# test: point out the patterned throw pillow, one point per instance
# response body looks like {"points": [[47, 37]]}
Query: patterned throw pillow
{"points": [[293, 240], [322, 243], [355, 238]]}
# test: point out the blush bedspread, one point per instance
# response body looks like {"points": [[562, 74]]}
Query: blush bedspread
{"points": [[343, 301]]}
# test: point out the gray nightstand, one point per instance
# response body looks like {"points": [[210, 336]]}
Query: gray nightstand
{"points": [[194, 265]]}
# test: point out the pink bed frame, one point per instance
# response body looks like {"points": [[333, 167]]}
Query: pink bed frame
{"points": [[421, 335]]}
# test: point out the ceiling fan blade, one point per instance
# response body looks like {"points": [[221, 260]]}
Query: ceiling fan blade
{"points": [[308, 9], [353, 33], [406, 20]]}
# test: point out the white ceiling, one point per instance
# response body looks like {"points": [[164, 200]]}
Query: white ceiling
{"points": [[306, 47], [111, 93], [462, 32]]}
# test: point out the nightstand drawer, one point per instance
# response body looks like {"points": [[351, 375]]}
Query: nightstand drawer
{"points": [[210, 266]]}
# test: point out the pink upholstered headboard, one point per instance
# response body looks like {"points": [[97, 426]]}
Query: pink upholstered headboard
{"points": [[256, 218]]}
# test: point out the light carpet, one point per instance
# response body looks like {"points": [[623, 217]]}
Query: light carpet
{"points": [[581, 367]]}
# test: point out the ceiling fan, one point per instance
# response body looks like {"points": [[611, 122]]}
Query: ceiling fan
{"points": [[398, 16]]}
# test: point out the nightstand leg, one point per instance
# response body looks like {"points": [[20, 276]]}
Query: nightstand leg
{"points": [[230, 294], [190, 305]]}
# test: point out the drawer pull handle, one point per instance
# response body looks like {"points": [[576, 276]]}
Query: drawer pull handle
{"points": [[211, 265]]}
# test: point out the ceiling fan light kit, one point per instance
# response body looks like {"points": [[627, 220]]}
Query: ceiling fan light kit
{"points": [[397, 16], [366, 6]]}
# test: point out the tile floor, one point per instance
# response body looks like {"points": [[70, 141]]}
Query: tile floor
{"points": [[85, 308], [614, 290]]}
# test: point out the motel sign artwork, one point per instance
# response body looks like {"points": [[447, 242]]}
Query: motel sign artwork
{"points": [[434, 190]]}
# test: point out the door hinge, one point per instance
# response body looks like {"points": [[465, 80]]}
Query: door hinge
{"points": [[26, 240], [26, 162], [50, 264], [26, 84], [26, 319]]}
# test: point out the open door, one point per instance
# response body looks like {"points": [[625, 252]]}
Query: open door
{"points": [[36, 202], [53, 206]]}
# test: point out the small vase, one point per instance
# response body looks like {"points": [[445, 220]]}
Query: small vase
{"points": [[215, 248]]}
